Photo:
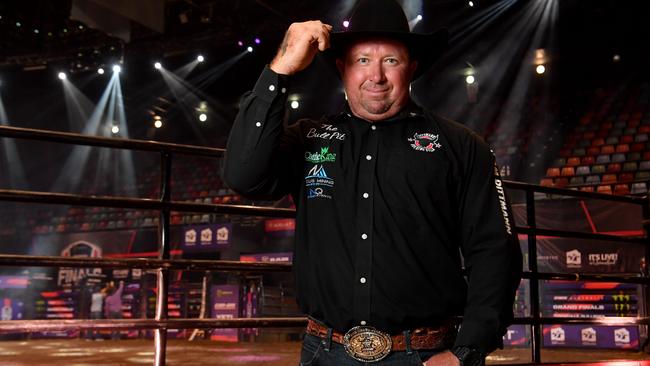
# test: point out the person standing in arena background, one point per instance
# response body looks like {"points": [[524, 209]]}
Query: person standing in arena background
{"points": [[113, 305], [392, 202]]}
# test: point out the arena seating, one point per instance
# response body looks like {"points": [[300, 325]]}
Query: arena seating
{"points": [[609, 149], [196, 181]]}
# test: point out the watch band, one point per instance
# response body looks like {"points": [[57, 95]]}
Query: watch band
{"points": [[468, 356]]}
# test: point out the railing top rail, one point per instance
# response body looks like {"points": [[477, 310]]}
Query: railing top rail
{"points": [[98, 141], [142, 263], [528, 187], [141, 203]]}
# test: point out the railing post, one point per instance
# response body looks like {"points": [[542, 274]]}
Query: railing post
{"points": [[162, 284], [533, 282], [645, 270]]}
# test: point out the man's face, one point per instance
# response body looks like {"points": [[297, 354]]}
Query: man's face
{"points": [[376, 74]]}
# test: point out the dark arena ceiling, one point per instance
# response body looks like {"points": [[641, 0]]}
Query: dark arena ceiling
{"points": [[39, 38]]}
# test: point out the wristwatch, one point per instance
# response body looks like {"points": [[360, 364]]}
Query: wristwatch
{"points": [[468, 356]]}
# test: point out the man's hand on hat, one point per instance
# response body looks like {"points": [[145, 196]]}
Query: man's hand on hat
{"points": [[301, 43], [442, 359]]}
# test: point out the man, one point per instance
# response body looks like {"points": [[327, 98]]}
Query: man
{"points": [[387, 198], [96, 308], [113, 305]]}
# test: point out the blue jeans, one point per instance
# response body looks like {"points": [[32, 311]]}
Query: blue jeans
{"points": [[319, 352], [115, 334], [93, 333]]}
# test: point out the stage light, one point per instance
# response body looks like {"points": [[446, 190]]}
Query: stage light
{"points": [[36, 31], [540, 69], [419, 17], [100, 71], [257, 41], [158, 123], [200, 58], [240, 44], [62, 76], [203, 117], [81, 26], [346, 23], [157, 66], [18, 24], [616, 58], [117, 68], [249, 49], [115, 129], [295, 104], [470, 79], [471, 4]]}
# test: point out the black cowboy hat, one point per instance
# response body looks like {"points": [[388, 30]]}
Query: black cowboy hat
{"points": [[385, 18]]}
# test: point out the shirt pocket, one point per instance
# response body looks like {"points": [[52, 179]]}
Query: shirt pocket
{"points": [[422, 174]]}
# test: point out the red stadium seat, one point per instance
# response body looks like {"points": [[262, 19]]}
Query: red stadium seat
{"points": [[626, 177], [553, 172], [639, 146], [627, 139], [614, 168], [568, 171], [599, 141], [606, 189], [587, 189], [561, 182], [622, 189], [607, 149], [622, 148], [573, 161], [588, 160], [547, 182], [592, 151], [609, 178]]}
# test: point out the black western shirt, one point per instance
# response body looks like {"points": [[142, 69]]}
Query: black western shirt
{"points": [[384, 212]]}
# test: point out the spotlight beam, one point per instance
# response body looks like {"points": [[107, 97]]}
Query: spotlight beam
{"points": [[17, 177], [73, 169]]}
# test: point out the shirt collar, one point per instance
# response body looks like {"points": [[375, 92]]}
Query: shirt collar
{"points": [[411, 110]]}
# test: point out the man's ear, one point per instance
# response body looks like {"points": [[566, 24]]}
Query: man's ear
{"points": [[340, 65], [412, 67]]}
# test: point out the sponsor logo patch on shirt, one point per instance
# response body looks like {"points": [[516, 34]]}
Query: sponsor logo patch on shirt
{"points": [[324, 156], [427, 142]]}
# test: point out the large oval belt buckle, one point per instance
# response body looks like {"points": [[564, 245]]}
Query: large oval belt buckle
{"points": [[367, 344]]}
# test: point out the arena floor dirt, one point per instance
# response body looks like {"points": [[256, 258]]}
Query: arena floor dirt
{"points": [[140, 352]]}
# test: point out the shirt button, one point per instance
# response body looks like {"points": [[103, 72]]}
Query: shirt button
{"points": [[366, 195], [258, 124], [364, 236], [362, 280], [373, 127], [363, 322], [271, 87], [368, 157]]}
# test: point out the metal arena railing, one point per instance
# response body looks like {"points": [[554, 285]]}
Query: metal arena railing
{"points": [[163, 264]]}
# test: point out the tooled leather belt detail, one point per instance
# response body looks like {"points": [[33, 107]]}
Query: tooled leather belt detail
{"points": [[368, 344]]}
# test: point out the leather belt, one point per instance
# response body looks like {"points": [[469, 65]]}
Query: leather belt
{"points": [[368, 344]]}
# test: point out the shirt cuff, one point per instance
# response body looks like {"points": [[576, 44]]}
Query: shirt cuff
{"points": [[270, 85], [478, 336]]}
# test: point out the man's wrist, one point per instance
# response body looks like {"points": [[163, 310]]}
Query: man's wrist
{"points": [[278, 68], [468, 356]]}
